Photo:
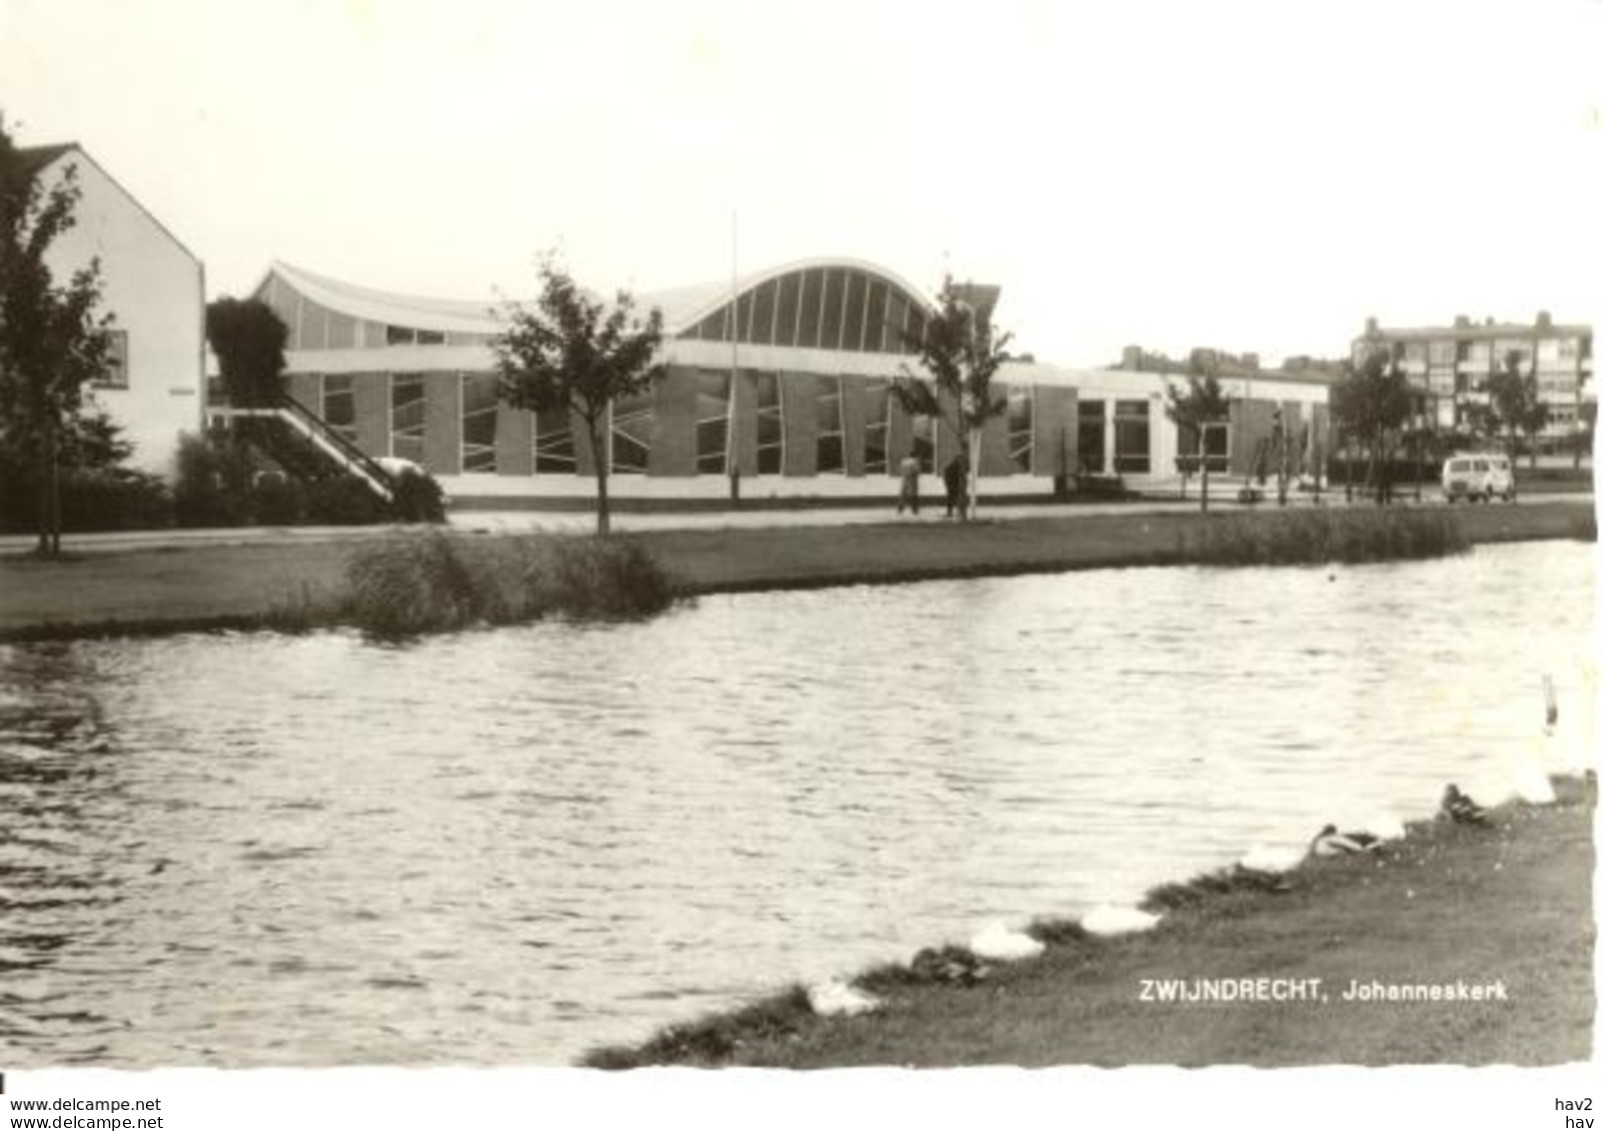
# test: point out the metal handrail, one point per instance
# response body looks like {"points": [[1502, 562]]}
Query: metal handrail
{"points": [[339, 440]]}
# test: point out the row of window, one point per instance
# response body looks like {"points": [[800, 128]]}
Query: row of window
{"points": [[1132, 437], [633, 419], [1449, 351]]}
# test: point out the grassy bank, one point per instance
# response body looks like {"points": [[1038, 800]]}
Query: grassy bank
{"points": [[241, 586], [1509, 904], [1320, 535]]}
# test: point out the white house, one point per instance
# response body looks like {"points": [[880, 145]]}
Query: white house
{"points": [[155, 289]]}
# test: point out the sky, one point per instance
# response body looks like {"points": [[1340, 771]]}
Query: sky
{"points": [[1242, 175]]}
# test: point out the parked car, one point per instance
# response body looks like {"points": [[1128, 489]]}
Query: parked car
{"points": [[1478, 477]]}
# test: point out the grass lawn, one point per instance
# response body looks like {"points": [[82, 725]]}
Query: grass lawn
{"points": [[1510, 904], [216, 586]]}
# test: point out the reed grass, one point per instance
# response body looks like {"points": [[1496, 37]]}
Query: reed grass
{"points": [[1319, 534], [417, 584]]}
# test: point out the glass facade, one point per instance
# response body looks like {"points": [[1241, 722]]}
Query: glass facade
{"points": [[632, 419], [712, 422], [1093, 437], [480, 403], [876, 427], [1132, 437], [770, 426], [406, 416], [834, 308], [831, 428], [1020, 429], [553, 444], [339, 404]]}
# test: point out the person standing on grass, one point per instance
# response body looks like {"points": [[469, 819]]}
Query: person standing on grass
{"points": [[909, 469]]}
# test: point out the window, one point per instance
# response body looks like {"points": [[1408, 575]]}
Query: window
{"points": [[895, 322], [553, 444], [1216, 446], [831, 434], [712, 422], [770, 426], [786, 308], [851, 336], [829, 326], [406, 416], [1093, 437], [480, 402], [631, 434], [760, 330], [1132, 437], [877, 427], [407, 335], [339, 404], [812, 303], [1020, 428], [115, 375], [1443, 352], [874, 318]]}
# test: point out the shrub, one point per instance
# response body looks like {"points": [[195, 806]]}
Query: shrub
{"points": [[115, 499], [409, 585], [418, 498], [1308, 537], [602, 578], [100, 499], [406, 586], [343, 500], [278, 502], [213, 482]]}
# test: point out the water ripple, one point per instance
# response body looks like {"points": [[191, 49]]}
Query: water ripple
{"points": [[505, 847]]}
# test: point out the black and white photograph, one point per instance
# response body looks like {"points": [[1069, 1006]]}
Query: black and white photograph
{"points": [[590, 563]]}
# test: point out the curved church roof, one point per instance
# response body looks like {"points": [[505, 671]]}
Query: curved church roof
{"points": [[837, 303]]}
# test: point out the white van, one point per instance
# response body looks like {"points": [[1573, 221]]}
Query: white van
{"points": [[1478, 477]]}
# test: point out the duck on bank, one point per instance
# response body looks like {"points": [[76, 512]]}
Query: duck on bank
{"points": [[1083, 975]]}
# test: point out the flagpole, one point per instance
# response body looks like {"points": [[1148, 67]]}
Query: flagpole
{"points": [[731, 452]]}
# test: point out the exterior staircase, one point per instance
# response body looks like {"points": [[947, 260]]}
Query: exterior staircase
{"points": [[303, 444]]}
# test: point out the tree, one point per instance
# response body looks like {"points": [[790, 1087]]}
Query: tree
{"points": [[52, 345], [1202, 404], [248, 339], [1370, 404], [572, 353], [960, 356], [1516, 410]]}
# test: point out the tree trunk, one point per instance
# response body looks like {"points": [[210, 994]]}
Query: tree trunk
{"points": [[603, 461], [971, 476], [49, 505]]}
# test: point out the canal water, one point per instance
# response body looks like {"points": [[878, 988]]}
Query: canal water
{"points": [[507, 847]]}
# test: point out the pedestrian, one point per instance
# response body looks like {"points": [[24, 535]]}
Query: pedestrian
{"points": [[956, 477], [909, 470]]}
